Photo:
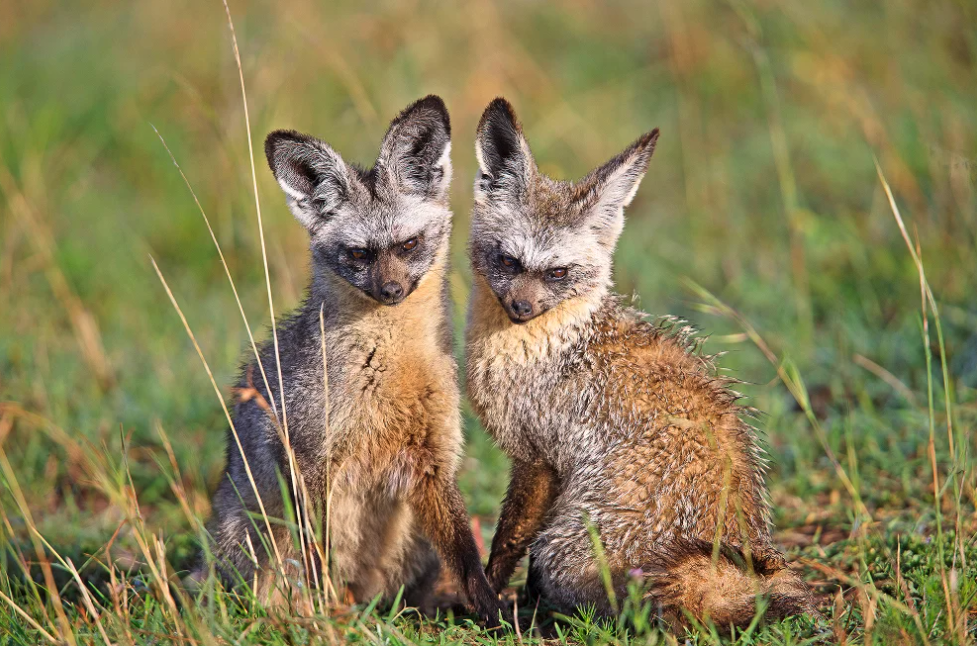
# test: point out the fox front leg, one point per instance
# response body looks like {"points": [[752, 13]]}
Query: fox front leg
{"points": [[440, 511], [532, 489]]}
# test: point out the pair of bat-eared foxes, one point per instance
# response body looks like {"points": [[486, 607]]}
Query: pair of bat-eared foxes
{"points": [[618, 429]]}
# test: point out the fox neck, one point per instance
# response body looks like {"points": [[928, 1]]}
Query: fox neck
{"points": [[543, 337]]}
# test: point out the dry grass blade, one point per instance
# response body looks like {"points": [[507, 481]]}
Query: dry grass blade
{"points": [[176, 483], [33, 624], [928, 295], [325, 423], [293, 466], [227, 413], [928, 300], [68, 565], [89, 603], [793, 383], [885, 376], [227, 271], [38, 541], [837, 629]]}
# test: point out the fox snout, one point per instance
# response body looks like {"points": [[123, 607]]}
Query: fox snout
{"points": [[521, 310], [391, 293], [523, 302], [390, 289], [383, 276]]}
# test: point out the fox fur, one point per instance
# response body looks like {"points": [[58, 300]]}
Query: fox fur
{"points": [[617, 427], [388, 457]]}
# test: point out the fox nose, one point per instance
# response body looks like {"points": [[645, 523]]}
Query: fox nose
{"points": [[522, 309], [391, 292]]}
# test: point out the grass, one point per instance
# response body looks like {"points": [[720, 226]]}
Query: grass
{"points": [[843, 290]]}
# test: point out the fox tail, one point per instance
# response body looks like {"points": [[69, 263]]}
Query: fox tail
{"points": [[725, 586]]}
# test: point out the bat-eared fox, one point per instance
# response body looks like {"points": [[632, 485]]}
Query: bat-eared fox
{"points": [[624, 440], [388, 452]]}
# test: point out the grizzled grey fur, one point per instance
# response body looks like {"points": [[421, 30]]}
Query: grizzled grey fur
{"points": [[391, 448], [618, 430]]}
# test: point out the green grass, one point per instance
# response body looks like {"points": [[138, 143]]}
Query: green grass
{"points": [[762, 219]]}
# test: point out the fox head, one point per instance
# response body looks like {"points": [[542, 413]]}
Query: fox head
{"points": [[379, 230], [538, 241]]}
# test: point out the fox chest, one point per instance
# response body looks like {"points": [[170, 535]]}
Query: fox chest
{"points": [[522, 406], [393, 414]]}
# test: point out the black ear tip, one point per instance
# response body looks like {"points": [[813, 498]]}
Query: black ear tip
{"points": [[278, 137], [649, 138], [432, 102], [501, 105], [500, 113], [431, 106], [644, 147]]}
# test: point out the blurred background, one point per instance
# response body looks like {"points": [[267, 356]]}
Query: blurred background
{"points": [[763, 191]]}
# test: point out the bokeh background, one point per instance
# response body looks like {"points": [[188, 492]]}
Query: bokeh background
{"points": [[763, 191]]}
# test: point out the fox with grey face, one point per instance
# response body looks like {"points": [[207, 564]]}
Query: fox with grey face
{"points": [[379, 434], [620, 432]]}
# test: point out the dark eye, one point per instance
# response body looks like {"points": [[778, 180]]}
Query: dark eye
{"points": [[509, 261], [558, 274], [357, 253], [410, 245]]}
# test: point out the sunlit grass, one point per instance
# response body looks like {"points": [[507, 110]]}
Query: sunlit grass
{"points": [[842, 288]]}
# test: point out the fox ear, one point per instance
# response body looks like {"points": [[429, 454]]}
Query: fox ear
{"points": [[415, 156], [504, 159], [313, 176], [610, 188]]}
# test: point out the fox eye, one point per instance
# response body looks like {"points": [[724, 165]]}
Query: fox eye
{"points": [[357, 253], [509, 261], [557, 274], [410, 245]]}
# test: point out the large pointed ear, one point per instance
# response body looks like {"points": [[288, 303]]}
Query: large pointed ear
{"points": [[415, 156], [610, 188], [504, 159], [314, 177]]}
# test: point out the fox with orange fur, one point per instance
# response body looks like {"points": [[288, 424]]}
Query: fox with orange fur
{"points": [[618, 429], [387, 460]]}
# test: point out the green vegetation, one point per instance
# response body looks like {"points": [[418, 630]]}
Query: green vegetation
{"points": [[763, 219]]}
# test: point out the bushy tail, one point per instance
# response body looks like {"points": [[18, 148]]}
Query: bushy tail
{"points": [[721, 588]]}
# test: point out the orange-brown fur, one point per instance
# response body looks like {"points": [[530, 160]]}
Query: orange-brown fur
{"points": [[377, 448], [615, 426]]}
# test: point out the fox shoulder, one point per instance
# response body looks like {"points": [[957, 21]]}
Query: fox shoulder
{"points": [[645, 353]]}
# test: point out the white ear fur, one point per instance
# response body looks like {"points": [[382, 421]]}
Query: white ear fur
{"points": [[480, 157], [483, 178], [616, 184], [291, 192], [504, 158], [442, 184], [415, 153], [312, 175]]}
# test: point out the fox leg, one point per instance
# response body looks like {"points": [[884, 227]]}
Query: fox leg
{"points": [[569, 588], [244, 554], [564, 570], [424, 569], [441, 515], [532, 489]]}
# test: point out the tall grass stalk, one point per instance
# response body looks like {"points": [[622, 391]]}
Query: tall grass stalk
{"points": [[227, 413], [301, 504], [955, 620], [227, 271]]}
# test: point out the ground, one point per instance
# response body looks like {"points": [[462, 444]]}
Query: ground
{"points": [[764, 219]]}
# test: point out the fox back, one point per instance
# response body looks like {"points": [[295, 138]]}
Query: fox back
{"points": [[620, 430]]}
